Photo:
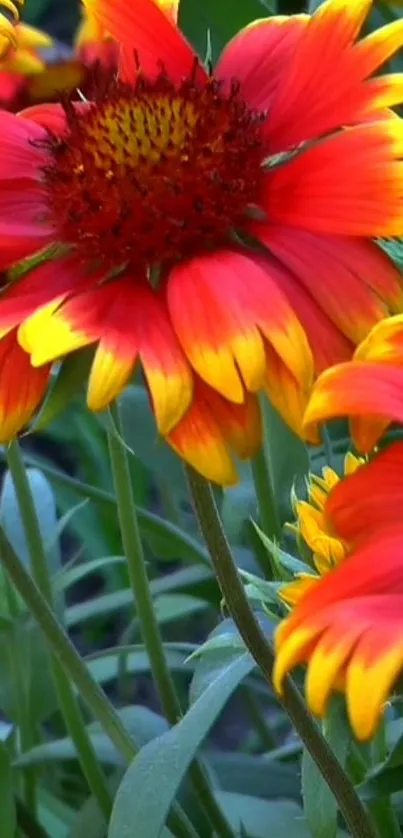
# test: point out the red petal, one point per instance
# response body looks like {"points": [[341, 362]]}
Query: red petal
{"points": [[21, 387], [142, 29], [328, 345], [371, 391], [258, 55], [339, 273], [52, 280], [370, 499], [20, 154], [211, 428], [350, 183], [324, 85], [221, 305]]}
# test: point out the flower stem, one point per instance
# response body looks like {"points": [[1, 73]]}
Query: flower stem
{"points": [[25, 727], [266, 497], [148, 622], [67, 701], [233, 591], [75, 669]]}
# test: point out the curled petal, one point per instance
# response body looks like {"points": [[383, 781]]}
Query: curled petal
{"points": [[211, 429], [287, 395], [369, 393], [22, 387]]}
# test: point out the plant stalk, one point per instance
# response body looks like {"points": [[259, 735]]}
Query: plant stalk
{"points": [[351, 807], [75, 668], [149, 626], [68, 703]]}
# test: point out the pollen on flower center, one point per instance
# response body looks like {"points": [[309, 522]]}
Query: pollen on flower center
{"points": [[154, 173]]}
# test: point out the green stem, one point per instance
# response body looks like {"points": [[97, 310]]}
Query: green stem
{"points": [[145, 609], [257, 718], [76, 670], [27, 823], [67, 701], [266, 497], [26, 737], [233, 591]]}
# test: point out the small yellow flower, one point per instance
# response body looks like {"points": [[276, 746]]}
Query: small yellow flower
{"points": [[311, 526]]}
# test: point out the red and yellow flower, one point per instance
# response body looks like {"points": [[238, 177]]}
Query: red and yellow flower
{"points": [[348, 627], [29, 77], [156, 188], [368, 389], [311, 526]]}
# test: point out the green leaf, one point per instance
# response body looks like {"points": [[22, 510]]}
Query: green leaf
{"points": [[142, 723], [220, 652], [239, 505], [116, 601], [288, 457], [163, 763], [254, 775], [140, 435], [166, 539], [263, 818], [45, 509], [387, 777], [320, 806], [281, 558], [7, 802], [71, 575], [394, 249], [65, 385], [222, 20], [104, 666]]}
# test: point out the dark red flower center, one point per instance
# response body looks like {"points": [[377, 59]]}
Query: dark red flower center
{"points": [[154, 173]]}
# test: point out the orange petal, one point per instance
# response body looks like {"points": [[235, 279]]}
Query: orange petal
{"points": [[211, 428], [22, 387], [371, 392], [287, 395]]}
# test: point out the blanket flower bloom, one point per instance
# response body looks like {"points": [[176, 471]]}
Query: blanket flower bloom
{"points": [[368, 389], [22, 60], [157, 186], [348, 627], [30, 75], [311, 526]]}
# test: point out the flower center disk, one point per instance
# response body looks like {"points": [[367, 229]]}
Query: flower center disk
{"points": [[154, 173]]}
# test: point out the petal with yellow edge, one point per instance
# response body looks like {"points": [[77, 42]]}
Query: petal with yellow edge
{"points": [[370, 394], [225, 307], [22, 387], [212, 429], [127, 321], [347, 628]]}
